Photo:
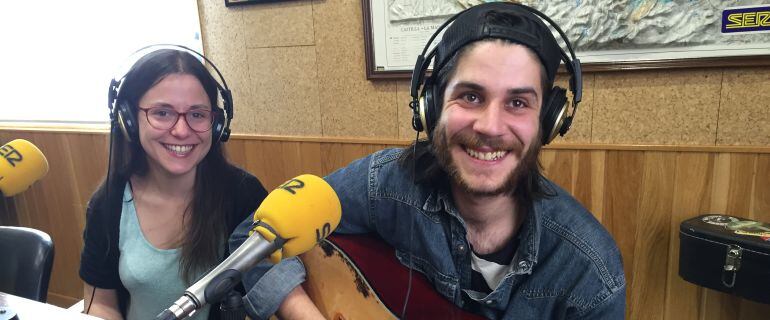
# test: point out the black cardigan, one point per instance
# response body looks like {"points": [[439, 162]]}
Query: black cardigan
{"points": [[99, 259]]}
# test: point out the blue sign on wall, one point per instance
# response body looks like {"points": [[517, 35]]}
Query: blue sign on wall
{"points": [[740, 20]]}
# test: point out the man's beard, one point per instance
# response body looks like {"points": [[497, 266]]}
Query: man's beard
{"points": [[526, 167]]}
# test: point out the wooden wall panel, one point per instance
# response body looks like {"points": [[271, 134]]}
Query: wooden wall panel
{"points": [[8, 212], [623, 182], [56, 205], [751, 310], [761, 200], [690, 189], [558, 165], [652, 235], [640, 194], [738, 169], [741, 183]]}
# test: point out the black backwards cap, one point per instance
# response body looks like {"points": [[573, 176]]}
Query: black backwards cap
{"points": [[525, 28]]}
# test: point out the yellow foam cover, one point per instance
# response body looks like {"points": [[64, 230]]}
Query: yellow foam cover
{"points": [[21, 164], [303, 211]]}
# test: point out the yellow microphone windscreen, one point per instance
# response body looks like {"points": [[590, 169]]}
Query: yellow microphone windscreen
{"points": [[303, 211], [21, 164]]}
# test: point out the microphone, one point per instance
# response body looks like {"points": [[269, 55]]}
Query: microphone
{"points": [[291, 220], [21, 164]]}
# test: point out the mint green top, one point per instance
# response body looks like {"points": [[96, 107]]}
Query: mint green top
{"points": [[150, 275]]}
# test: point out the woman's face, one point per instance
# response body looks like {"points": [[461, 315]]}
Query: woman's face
{"points": [[176, 151]]}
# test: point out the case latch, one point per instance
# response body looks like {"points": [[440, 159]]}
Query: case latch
{"points": [[732, 265]]}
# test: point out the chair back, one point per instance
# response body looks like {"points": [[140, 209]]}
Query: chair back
{"points": [[27, 258]]}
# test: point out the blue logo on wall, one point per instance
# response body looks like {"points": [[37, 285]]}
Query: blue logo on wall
{"points": [[740, 20]]}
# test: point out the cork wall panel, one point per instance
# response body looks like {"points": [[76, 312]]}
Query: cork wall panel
{"points": [[223, 43], [284, 91], [279, 24], [656, 107], [350, 104], [744, 114]]}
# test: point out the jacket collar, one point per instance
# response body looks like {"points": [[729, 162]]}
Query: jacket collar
{"points": [[440, 199]]}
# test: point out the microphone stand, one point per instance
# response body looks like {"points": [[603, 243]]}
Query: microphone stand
{"points": [[231, 307], [220, 286], [220, 281]]}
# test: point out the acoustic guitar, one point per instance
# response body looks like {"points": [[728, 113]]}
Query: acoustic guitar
{"points": [[358, 277]]}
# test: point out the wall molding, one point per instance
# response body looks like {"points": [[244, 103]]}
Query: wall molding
{"points": [[404, 142]]}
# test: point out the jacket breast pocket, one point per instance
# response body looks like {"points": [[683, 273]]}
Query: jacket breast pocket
{"points": [[444, 284]]}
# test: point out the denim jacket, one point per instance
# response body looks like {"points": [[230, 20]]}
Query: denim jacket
{"points": [[566, 267]]}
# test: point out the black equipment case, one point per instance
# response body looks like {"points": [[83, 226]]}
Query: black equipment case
{"points": [[728, 254]]}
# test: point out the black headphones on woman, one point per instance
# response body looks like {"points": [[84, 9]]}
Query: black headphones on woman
{"points": [[525, 27], [123, 114]]}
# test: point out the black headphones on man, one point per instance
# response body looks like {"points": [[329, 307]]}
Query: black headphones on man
{"points": [[470, 25], [123, 114]]}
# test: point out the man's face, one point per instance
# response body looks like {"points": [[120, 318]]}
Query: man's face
{"points": [[488, 132]]}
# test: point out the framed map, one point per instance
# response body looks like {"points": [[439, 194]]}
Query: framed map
{"points": [[606, 34]]}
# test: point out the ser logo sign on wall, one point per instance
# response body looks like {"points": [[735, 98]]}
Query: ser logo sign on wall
{"points": [[746, 19]]}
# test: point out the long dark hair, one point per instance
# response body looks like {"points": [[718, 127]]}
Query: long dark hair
{"points": [[204, 234]]}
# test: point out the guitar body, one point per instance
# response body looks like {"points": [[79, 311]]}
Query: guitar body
{"points": [[358, 277]]}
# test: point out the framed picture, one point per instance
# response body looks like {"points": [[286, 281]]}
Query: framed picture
{"points": [[643, 34], [230, 3]]}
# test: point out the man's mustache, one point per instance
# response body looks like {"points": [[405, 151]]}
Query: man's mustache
{"points": [[475, 140]]}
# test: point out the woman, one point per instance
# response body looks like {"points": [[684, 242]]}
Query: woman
{"points": [[162, 216]]}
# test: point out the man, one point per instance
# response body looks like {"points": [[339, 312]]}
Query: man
{"points": [[469, 208]]}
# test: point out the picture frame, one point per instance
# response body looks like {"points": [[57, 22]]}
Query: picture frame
{"points": [[232, 3], [392, 42]]}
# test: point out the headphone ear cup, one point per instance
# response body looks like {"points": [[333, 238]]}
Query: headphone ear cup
{"points": [[218, 127], [416, 116], [552, 115], [127, 121], [431, 108]]}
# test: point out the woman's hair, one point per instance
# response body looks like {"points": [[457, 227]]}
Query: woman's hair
{"points": [[204, 217]]}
